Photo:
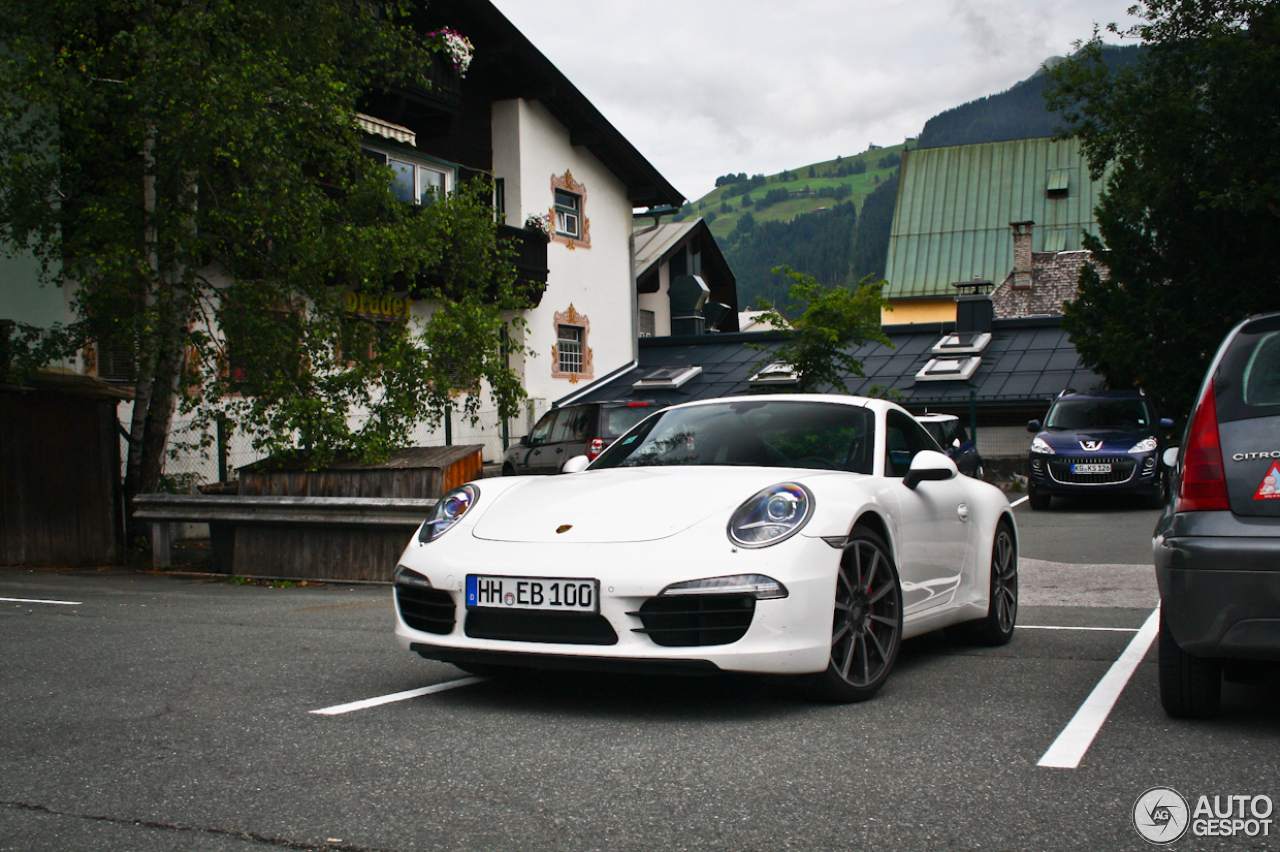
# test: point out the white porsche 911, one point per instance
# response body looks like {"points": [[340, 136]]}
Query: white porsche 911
{"points": [[786, 535]]}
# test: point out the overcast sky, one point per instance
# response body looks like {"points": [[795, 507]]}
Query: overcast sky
{"points": [[707, 87]]}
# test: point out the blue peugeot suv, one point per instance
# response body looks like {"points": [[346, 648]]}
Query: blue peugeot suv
{"points": [[1096, 442]]}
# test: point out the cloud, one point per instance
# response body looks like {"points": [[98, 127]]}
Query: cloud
{"points": [[707, 87]]}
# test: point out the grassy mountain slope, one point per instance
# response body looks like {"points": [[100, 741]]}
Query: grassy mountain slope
{"points": [[860, 186]]}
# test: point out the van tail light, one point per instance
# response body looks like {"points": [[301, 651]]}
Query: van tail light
{"points": [[1204, 484], [595, 448]]}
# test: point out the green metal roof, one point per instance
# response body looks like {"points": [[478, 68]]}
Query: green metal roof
{"points": [[951, 221]]}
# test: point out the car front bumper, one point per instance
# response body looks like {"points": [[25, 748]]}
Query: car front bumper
{"points": [[790, 635], [1047, 474], [1220, 595]]}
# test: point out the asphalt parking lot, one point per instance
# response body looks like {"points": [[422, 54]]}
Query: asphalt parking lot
{"points": [[147, 712]]}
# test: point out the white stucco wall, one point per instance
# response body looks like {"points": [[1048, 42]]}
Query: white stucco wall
{"points": [[529, 148], [659, 302], [24, 299]]}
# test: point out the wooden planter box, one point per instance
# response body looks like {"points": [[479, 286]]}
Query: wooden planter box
{"points": [[315, 551]]}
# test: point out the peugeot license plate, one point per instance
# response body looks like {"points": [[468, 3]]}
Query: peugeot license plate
{"points": [[1092, 467], [557, 594]]}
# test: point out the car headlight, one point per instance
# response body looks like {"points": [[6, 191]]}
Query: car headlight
{"points": [[759, 586], [1146, 445], [448, 512], [1039, 445], [773, 515]]}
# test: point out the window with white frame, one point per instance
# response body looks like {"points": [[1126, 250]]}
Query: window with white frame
{"points": [[568, 214], [569, 348], [571, 356], [648, 323], [415, 180]]}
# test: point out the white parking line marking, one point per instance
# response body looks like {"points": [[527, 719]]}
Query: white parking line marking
{"points": [[30, 600], [1069, 748], [1016, 503], [396, 696], [1107, 629]]}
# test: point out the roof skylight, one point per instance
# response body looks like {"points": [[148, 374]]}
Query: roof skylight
{"points": [[667, 378]]}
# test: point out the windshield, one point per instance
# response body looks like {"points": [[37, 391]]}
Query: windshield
{"points": [[937, 429], [773, 433], [1099, 414]]}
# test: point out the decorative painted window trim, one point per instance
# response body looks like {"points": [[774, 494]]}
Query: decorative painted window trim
{"points": [[571, 317], [566, 183]]}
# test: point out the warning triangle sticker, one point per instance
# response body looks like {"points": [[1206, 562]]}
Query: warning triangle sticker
{"points": [[1270, 487]]}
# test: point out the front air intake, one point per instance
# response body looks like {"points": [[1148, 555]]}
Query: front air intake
{"points": [[685, 621]]}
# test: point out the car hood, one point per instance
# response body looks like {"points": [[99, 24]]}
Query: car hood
{"points": [[1113, 440], [622, 505]]}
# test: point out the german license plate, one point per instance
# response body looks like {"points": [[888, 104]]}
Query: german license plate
{"points": [[1093, 467], [557, 594]]}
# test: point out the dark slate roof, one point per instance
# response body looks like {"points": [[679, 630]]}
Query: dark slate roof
{"points": [[1027, 362], [519, 70]]}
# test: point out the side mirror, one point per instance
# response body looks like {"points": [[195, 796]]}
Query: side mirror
{"points": [[1166, 423], [1033, 425], [955, 442], [577, 464], [524, 440], [929, 466], [1169, 457]]}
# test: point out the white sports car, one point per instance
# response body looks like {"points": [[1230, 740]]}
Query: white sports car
{"points": [[786, 535]]}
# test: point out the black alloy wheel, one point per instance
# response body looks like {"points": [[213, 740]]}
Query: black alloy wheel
{"points": [[866, 629], [996, 628]]}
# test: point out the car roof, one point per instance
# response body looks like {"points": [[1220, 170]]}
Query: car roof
{"points": [[872, 403], [1102, 394], [935, 418]]}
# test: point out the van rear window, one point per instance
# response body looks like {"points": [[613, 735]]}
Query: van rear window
{"points": [[617, 421], [1248, 377], [1261, 381]]}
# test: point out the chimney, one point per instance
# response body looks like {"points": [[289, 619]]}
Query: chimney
{"points": [[688, 295], [974, 310], [1022, 254]]}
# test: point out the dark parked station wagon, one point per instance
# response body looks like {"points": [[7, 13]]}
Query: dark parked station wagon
{"points": [[1217, 544], [583, 429]]}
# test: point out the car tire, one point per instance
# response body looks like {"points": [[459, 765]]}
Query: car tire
{"points": [[508, 470], [997, 627], [1161, 492], [866, 628], [1039, 501], [1190, 686]]}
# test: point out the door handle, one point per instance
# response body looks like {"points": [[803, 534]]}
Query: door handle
{"points": [[962, 511]]}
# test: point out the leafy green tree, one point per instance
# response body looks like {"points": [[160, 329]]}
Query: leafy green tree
{"points": [[832, 321], [195, 169], [1190, 215], [870, 251]]}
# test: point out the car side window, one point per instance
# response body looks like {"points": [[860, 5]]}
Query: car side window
{"points": [[579, 424], [560, 430], [960, 434], [542, 429], [903, 438]]}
